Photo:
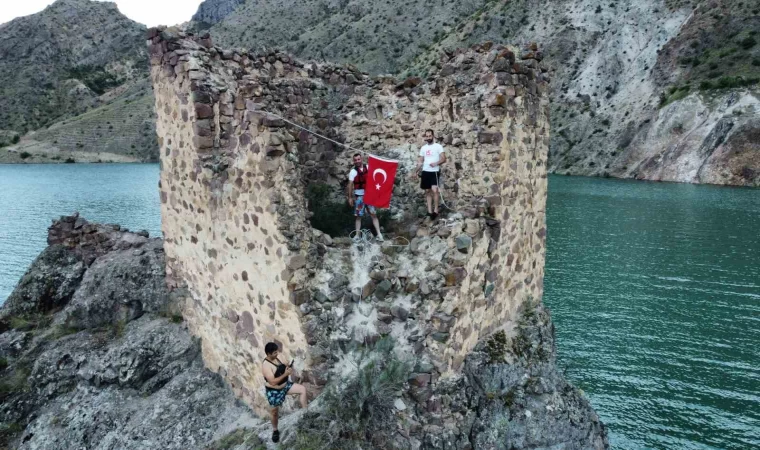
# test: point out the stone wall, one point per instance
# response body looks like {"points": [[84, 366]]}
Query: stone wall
{"points": [[235, 218]]}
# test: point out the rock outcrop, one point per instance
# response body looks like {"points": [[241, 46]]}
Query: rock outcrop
{"points": [[396, 321], [210, 13], [111, 380]]}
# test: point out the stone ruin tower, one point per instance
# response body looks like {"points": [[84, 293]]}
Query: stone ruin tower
{"points": [[236, 219]]}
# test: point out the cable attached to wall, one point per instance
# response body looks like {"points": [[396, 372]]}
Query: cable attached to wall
{"points": [[440, 191]]}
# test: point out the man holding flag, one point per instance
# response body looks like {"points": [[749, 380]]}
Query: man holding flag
{"points": [[370, 187]]}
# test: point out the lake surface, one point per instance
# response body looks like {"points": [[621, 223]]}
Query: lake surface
{"points": [[31, 195], [655, 294], [654, 289]]}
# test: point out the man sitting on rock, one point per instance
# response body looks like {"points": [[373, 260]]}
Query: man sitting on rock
{"points": [[278, 384], [357, 179], [431, 157]]}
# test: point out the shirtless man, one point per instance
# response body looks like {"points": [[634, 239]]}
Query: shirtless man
{"points": [[278, 384]]}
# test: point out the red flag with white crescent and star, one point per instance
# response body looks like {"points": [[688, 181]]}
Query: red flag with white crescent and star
{"points": [[381, 173]]}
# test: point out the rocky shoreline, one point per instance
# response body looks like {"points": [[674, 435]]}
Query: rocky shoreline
{"points": [[93, 354], [41, 153]]}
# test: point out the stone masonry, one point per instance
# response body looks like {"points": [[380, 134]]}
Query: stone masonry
{"points": [[236, 223]]}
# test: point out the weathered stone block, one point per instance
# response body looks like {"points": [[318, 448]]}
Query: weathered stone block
{"points": [[463, 243]]}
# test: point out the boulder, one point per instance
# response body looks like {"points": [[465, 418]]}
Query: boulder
{"points": [[120, 286], [49, 283]]}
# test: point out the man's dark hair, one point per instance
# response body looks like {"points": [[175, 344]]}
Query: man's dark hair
{"points": [[270, 348], [357, 154], [431, 132]]}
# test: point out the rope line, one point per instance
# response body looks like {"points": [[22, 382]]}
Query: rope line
{"points": [[325, 137], [440, 190]]}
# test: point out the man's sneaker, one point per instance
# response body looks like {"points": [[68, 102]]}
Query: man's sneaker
{"points": [[276, 436], [434, 215], [380, 238], [356, 239]]}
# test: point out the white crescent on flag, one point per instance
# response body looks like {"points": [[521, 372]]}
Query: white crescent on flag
{"points": [[382, 172]]}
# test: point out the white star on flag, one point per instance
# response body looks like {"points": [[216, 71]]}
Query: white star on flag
{"points": [[377, 186]]}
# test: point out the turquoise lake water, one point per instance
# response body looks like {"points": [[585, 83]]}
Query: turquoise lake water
{"points": [[655, 293], [654, 289], [33, 194]]}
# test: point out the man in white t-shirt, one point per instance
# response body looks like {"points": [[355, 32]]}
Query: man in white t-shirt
{"points": [[357, 179], [431, 157]]}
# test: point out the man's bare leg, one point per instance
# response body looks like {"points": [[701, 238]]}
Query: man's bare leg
{"points": [[376, 223], [301, 391], [436, 199], [429, 200], [358, 225], [275, 418]]}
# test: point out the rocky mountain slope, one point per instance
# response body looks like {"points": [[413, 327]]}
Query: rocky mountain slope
{"points": [[210, 13], [75, 75], [656, 89]]}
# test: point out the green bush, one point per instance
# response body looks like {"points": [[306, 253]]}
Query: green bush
{"points": [[335, 217], [748, 42], [356, 409], [95, 78], [24, 155], [329, 216], [15, 139], [70, 161]]}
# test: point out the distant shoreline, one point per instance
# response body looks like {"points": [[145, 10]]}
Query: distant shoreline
{"points": [[17, 154]]}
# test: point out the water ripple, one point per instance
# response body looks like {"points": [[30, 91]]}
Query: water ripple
{"points": [[654, 291], [31, 195]]}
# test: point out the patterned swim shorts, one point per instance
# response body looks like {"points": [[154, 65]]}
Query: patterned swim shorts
{"points": [[277, 396], [359, 206]]}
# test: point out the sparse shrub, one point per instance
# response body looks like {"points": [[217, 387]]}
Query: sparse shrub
{"points": [[95, 78], [241, 436], [15, 139], [7, 432], [70, 161], [24, 155], [356, 409], [16, 382], [496, 347], [62, 330], [118, 328]]}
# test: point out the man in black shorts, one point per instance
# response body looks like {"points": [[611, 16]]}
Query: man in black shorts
{"points": [[431, 157]]}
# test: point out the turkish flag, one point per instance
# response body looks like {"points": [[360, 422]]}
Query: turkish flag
{"points": [[381, 174]]}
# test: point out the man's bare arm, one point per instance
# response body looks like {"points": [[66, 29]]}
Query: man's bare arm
{"points": [[441, 160]]}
